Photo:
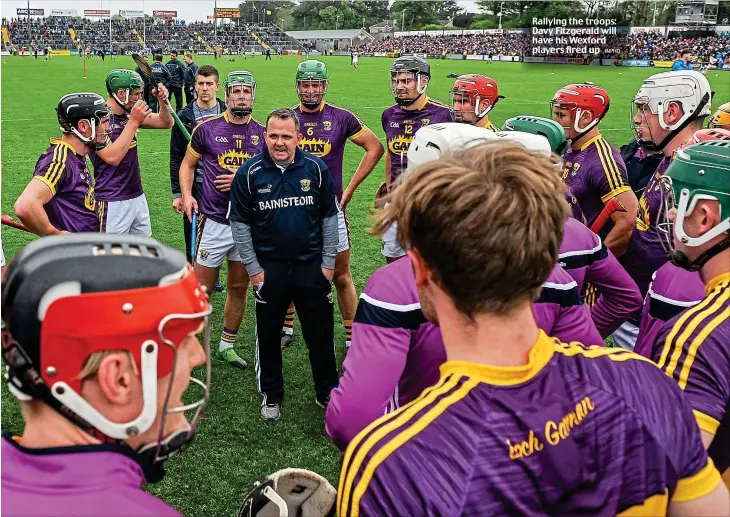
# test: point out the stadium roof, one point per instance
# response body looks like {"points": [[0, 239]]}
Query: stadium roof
{"points": [[329, 34]]}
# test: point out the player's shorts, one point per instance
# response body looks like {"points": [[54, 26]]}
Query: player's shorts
{"points": [[391, 248], [2, 254], [625, 336], [131, 216], [354, 60], [214, 243], [343, 227]]}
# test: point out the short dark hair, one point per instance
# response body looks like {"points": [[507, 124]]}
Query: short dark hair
{"points": [[443, 205], [207, 71], [173, 52], [284, 114], [685, 51], [157, 57]]}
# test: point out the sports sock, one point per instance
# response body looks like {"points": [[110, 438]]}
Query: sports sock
{"points": [[289, 321], [348, 332], [228, 337]]}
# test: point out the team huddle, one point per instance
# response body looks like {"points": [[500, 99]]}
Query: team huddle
{"points": [[476, 379]]}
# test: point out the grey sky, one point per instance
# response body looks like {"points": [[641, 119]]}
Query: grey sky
{"points": [[190, 10]]}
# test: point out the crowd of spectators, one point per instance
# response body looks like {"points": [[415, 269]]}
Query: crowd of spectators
{"points": [[646, 45], [127, 34], [237, 37]]}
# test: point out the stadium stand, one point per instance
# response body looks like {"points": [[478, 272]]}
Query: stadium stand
{"points": [[235, 38], [136, 35]]}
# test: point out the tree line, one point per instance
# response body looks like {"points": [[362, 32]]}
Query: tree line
{"points": [[434, 15]]}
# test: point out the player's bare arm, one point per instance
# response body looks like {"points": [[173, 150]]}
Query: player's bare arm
{"points": [[618, 238], [115, 152], [29, 208], [187, 175], [716, 503], [373, 152], [387, 170], [163, 119]]}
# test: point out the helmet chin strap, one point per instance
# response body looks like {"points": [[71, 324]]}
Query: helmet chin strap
{"points": [[121, 104], [241, 112], [680, 258]]}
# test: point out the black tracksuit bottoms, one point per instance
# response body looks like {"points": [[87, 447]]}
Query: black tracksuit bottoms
{"points": [[304, 284]]}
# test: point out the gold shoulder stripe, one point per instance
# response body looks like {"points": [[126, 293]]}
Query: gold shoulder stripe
{"points": [[697, 318], [387, 424], [401, 438], [610, 169], [700, 338], [56, 168]]}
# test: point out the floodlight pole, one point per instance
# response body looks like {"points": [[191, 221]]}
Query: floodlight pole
{"points": [[403, 21], [653, 19], [500, 14]]}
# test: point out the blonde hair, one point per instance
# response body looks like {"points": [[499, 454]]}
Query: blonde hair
{"points": [[93, 362], [488, 222]]}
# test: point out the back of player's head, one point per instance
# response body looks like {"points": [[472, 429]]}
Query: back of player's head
{"points": [[487, 220], [207, 71]]}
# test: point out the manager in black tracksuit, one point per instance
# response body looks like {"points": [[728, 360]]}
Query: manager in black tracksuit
{"points": [[283, 214], [177, 74]]}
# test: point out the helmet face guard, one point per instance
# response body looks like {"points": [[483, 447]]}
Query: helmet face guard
{"points": [[575, 114], [311, 91], [474, 99], [398, 77], [164, 448], [244, 80]]}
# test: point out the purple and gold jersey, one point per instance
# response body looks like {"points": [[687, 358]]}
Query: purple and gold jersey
{"points": [[222, 147], [645, 253], [585, 257], [396, 352], [672, 291], [123, 181], [72, 207], [531, 440], [325, 133], [595, 173], [694, 349], [400, 125]]}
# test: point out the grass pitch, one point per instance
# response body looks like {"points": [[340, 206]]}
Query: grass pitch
{"points": [[234, 446]]}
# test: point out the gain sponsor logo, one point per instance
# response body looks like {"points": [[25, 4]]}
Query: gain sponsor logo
{"points": [[316, 146], [232, 160], [399, 144]]}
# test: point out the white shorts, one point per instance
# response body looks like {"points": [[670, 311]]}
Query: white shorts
{"points": [[391, 248], [131, 216], [354, 60], [343, 227], [214, 243], [2, 253], [625, 336]]}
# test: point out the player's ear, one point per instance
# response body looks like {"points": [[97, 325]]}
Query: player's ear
{"points": [[674, 112], [420, 270], [117, 378]]}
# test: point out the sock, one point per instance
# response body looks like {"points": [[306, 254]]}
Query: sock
{"points": [[348, 332], [289, 321], [228, 337]]}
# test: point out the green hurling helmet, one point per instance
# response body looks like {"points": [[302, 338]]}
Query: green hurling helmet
{"points": [[240, 78], [546, 127], [308, 73], [127, 80], [699, 172]]}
